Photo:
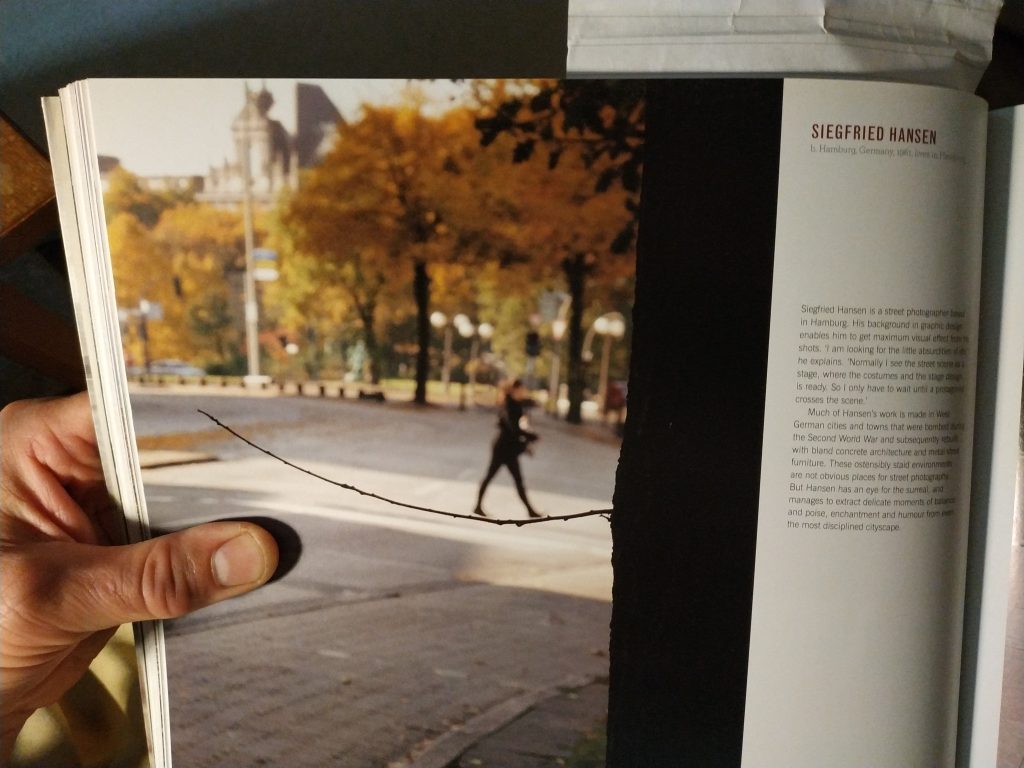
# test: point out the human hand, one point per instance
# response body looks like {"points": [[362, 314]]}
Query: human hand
{"points": [[66, 583]]}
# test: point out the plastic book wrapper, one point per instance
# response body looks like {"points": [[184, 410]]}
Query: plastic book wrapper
{"points": [[925, 42]]}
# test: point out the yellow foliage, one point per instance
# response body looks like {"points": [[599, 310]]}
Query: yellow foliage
{"points": [[402, 186], [189, 264]]}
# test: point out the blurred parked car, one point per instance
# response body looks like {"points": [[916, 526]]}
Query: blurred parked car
{"points": [[174, 368]]}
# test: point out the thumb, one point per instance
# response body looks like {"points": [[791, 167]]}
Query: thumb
{"points": [[161, 578]]}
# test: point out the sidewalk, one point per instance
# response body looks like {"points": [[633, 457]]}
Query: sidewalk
{"points": [[560, 727], [398, 640], [478, 676]]}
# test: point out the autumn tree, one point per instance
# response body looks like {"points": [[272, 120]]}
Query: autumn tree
{"points": [[399, 190], [125, 193], [180, 255], [406, 191], [318, 295], [602, 119], [137, 278], [340, 248], [202, 249], [572, 227], [580, 145]]}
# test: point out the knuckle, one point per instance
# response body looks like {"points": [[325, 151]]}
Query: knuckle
{"points": [[25, 583], [170, 584]]}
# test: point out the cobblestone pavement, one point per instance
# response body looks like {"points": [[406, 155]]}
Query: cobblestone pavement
{"points": [[365, 684]]}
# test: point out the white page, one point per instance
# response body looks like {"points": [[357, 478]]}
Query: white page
{"points": [[996, 449], [859, 571], [174, 129], [79, 200]]}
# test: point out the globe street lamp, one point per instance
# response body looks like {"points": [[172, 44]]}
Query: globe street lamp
{"points": [[611, 325], [481, 333], [558, 328], [460, 323], [252, 344], [468, 330], [440, 320]]}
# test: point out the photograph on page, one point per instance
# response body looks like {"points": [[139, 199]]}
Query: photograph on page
{"points": [[417, 289]]}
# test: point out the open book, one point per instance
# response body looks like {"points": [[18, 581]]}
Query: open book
{"points": [[891, 390]]}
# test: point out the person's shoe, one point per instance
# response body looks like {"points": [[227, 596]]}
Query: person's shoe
{"points": [[479, 511]]}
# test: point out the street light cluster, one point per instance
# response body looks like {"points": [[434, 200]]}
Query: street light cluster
{"points": [[611, 325], [467, 329], [462, 324]]}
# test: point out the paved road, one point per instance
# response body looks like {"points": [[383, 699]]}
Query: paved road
{"points": [[396, 628]]}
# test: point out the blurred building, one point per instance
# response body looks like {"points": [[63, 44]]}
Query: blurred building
{"points": [[167, 183], [316, 124], [275, 156]]}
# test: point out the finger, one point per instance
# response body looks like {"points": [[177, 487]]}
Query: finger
{"points": [[71, 416], [288, 540], [100, 587], [58, 431], [51, 466], [49, 506]]}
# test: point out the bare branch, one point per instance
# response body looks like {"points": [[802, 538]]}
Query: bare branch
{"points": [[606, 513]]}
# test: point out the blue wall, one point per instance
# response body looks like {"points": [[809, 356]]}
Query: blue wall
{"points": [[45, 44]]}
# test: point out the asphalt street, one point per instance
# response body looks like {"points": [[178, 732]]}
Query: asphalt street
{"points": [[397, 628]]}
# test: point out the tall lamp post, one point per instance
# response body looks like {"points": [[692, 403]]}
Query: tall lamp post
{"points": [[558, 328], [479, 333], [252, 344], [440, 320], [611, 325]]}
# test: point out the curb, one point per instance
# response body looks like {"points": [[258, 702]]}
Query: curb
{"points": [[447, 748], [152, 459]]}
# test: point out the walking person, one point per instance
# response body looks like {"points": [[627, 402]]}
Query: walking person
{"points": [[511, 441]]}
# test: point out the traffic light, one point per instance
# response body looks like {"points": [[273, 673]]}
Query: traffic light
{"points": [[532, 344]]}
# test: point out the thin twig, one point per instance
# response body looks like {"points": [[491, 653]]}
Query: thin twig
{"points": [[606, 513]]}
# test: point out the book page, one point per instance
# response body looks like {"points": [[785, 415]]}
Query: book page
{"points": [[991, 717], [374, 223], [79, 202], [861, 534]]}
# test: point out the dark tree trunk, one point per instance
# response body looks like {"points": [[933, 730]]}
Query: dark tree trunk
{"points": [[421, 291], [576, 270], [366, 317], [686, 491]]}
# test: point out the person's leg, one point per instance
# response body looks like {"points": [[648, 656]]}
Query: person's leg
{"points": [[492, 470], [517, 475]]}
